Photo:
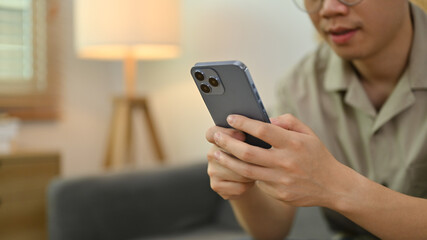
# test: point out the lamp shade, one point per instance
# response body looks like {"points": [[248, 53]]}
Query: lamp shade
{"points": [[117, 29]]}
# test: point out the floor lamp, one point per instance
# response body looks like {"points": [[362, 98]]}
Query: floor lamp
{"points": [[127, 30]]}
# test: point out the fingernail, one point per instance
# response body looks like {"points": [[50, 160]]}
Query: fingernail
{"points": [[217, 136], [230, 120], [217, 155]]}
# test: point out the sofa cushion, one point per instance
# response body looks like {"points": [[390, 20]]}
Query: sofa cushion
{"points": [[125, 206]]}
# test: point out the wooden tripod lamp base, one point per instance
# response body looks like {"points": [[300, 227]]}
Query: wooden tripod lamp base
{"points": [[143, 35], [120, 142]]}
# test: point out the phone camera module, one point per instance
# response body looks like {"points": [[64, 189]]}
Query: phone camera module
{"points": [[213, 81], [199, 76], [205, 88]]}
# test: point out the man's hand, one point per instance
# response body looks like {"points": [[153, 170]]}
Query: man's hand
{"points": [[228, 184], [297, 169]]}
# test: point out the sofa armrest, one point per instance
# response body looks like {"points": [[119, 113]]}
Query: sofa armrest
{"points": [[125, 206]]}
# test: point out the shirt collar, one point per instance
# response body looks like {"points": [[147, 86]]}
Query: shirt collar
{"points": [[338, 74], [417, 69]]}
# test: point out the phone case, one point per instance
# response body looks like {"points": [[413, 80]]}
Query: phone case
{"points": [[227, 88]]}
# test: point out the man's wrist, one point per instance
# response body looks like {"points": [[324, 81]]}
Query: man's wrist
{"points": [[346, 190]]}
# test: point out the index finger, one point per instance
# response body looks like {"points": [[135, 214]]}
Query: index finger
{"points": [[269, 133], [229, 131]]}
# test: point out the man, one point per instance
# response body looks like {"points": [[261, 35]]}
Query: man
{"points": [[364, 157]]}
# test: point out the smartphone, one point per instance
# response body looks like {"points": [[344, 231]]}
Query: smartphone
{"points": [[227, 88]]}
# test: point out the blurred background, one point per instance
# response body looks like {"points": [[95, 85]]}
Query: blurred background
{"points": [[268, 36]]}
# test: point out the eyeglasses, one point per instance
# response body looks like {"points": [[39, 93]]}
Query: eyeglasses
{"points": [[312, 6]]}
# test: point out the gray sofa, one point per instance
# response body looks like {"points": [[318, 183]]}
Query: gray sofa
{"points": [[170, 203]]}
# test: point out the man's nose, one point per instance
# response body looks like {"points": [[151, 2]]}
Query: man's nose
{"points": [[331, 8]]}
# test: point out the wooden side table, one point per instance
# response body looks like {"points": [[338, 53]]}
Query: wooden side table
{"points": [[24, 177]]}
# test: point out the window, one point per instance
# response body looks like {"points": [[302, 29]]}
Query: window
{"points": [[25, 88]]}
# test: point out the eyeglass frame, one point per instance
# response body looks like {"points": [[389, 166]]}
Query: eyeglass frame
{"points": [[320, 5]]}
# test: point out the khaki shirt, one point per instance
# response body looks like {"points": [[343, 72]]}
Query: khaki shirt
{"points": [[389, 146]]}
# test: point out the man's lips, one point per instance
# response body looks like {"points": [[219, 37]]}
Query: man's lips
{"points": [[341, 35]]}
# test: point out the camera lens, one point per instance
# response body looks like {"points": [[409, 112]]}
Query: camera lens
{"points": [[213, 81], [205, 88], [199, 76]]}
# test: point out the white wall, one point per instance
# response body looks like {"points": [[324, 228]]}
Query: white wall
{"points": [[268, 36]]}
